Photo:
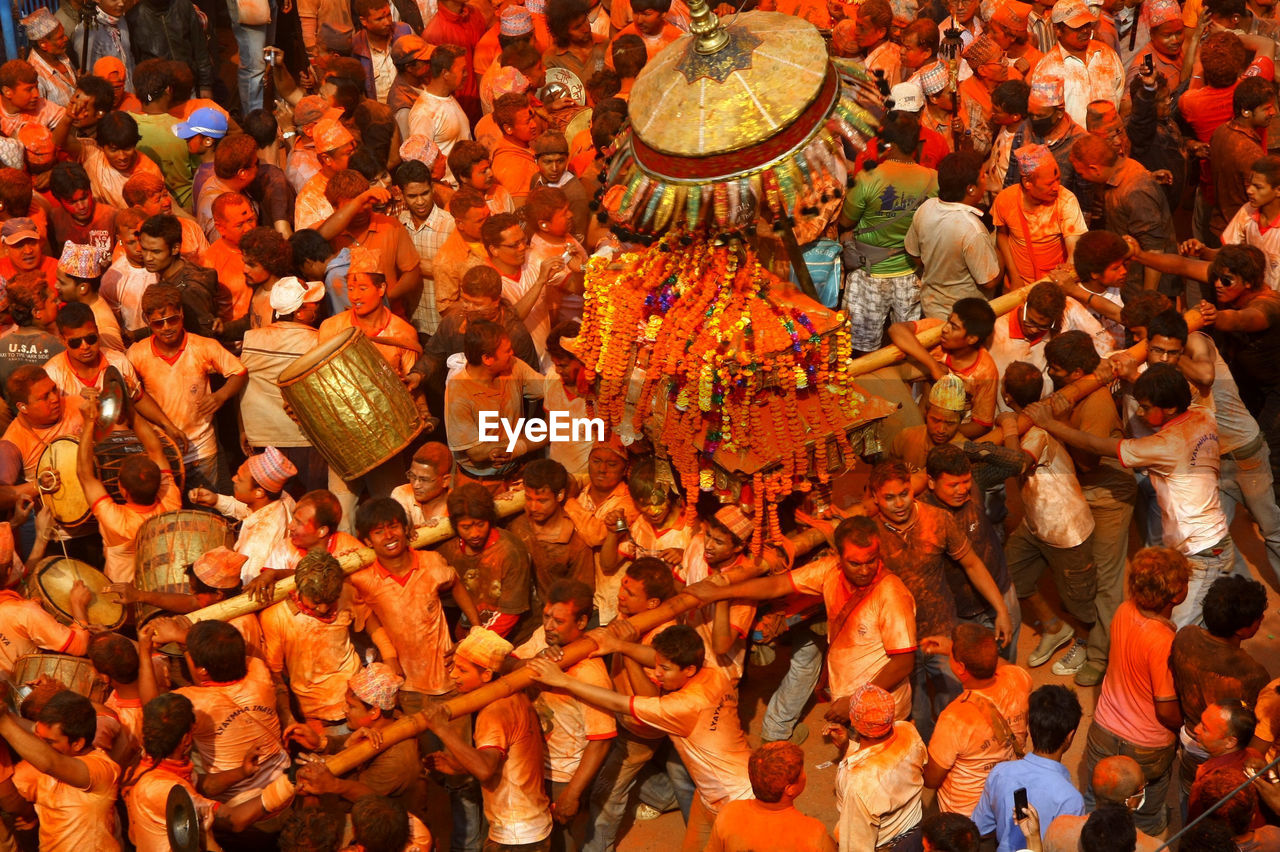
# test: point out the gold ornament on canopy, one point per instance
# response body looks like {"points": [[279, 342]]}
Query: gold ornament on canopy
{"points": [[737, 118]]}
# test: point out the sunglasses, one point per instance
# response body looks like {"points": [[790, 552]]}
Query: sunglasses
{"points": [[77, 342], [161, 322]]}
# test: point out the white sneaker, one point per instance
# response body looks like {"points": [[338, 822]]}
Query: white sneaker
{"points": [[1072, 661], [646, 812], [1049, 642]]}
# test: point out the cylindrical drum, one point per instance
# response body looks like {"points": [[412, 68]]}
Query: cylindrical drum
{"points": [[51, 581], [60, 486], [350, 404], [75, 673], [167, 544]]}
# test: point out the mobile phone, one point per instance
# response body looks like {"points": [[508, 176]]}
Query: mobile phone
{"points": [[1148, 64], [1020, 803]]}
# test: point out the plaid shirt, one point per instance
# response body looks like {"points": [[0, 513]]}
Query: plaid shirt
{"points": [[427, 239]]}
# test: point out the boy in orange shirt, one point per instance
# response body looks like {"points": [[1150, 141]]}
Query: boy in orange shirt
{"points": [[74, 793], [649, 24], [770, 821], [959, 351], [508, 752], [696, 707], [308, 636], [147, 484]]}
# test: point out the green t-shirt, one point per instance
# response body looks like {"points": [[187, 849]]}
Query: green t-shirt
{"points": [[168, 151], [881, 195]]}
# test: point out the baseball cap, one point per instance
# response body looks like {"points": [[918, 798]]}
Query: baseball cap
{"points": [[1073, 13], [15, 231], [410, 47], [907, 97], [205, 121]]}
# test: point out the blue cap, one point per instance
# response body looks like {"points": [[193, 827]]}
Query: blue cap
{"points": [[205, 121]]}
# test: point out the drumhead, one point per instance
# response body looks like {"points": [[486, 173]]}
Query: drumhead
{"points": [[70, 506], [57, 574], [305, 363]]}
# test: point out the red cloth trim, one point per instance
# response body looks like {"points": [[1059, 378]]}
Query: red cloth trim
{"points": [[631, 708], [897, 651], [70, 638], [174, 360], [599, 737]]}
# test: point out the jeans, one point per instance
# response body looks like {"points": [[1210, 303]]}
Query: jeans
{"points": [[1157, 768], [1149, 521], [251, 42], [567, 837], [612, 789], [1249, 481], [931, 670], [210, 473], [797, 685], [1206, 566], [1111, 518], [1010, 649], [469, 825]]}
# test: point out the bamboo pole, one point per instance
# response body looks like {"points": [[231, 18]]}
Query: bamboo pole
{"points": [[433, 532], [887, 356], [1086, 385], [412, 725]]}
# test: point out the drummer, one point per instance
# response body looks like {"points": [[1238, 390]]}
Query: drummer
{"points": [[258, 501], [396, 339], [44, 415], [214, 577], [83, 366], [148, 488]]}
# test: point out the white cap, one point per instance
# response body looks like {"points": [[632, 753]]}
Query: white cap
{"points": [[289, 294], [907, 97]]}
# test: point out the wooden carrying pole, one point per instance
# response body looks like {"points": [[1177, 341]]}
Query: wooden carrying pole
{"points": [[433, 532], [412, 725], [887, 356], [1086, 385]]}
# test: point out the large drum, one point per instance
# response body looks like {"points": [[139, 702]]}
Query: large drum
{"points": [[350, 404], [75, 673], [167, 545], [50, 584], [58, 483]]}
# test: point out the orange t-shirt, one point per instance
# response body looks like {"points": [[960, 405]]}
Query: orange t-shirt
{"points": [[574, 723], [653, 44], [514, 167], [317, 655], [146, 801], [965, 740], [1138, 675], [32, 443], [751, 826], [69, 382], [74, 820], [128, 711], [25, 627], [233, 293], [981, 378], [179, 385], [702, 720], [515, 803], [410, 610], [232, 719], [401, 355], [883, 623], [120, 522]]}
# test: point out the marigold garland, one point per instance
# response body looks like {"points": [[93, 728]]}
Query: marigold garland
{"points": [[696, 322]]}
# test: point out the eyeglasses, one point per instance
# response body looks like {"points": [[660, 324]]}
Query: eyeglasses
{"points": [[414, 478], [161, 322], [77, 342], [516, 245]]}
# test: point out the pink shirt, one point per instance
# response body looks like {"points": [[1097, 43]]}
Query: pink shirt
{"points": [[1138, 675]]}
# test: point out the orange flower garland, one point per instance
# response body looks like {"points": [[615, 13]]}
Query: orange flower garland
{"points": [[731, 363]]}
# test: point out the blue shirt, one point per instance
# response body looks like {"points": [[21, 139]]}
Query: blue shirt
{"points": [[1049, 790]]}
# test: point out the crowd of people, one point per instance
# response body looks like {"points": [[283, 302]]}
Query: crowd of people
{"points": [[433, 174]]}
